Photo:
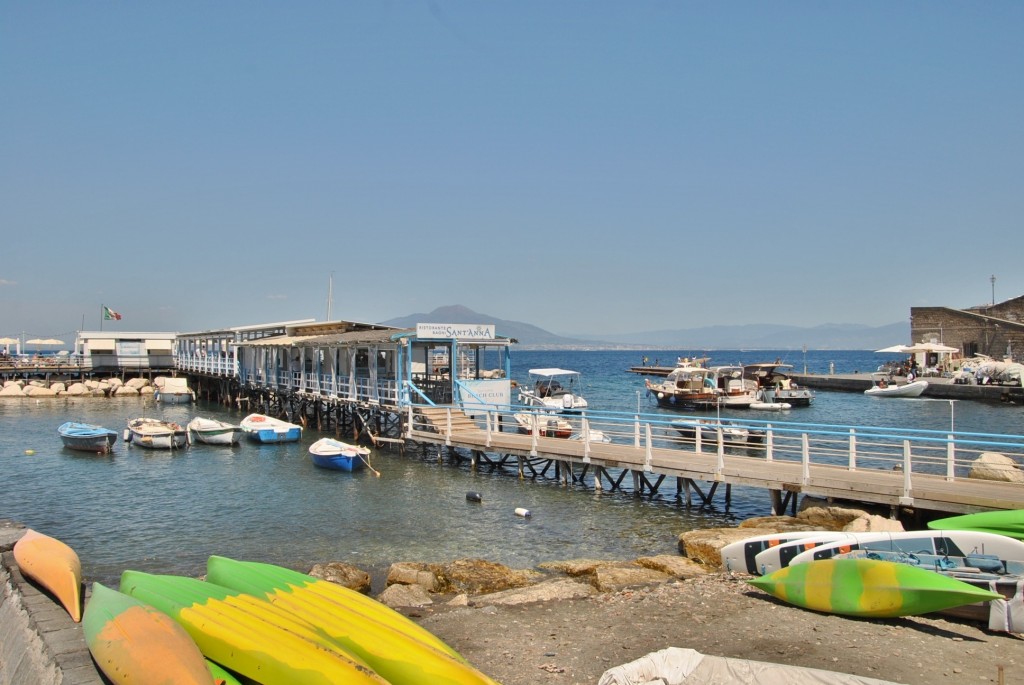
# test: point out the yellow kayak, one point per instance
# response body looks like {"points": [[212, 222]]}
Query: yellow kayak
{"points": [[248, 635], [395, 647], [55, 566]]}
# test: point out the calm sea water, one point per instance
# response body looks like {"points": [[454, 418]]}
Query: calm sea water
{"points": [[167, 512]]}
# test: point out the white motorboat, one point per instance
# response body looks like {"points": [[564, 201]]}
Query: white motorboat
{"points": [[263, 428], [173, 391], [547, 425], [737, 435], [882, 387], [557, 389], [736, 391], [214, 432]]}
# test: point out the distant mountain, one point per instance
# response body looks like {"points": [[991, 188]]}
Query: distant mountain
{"points": [[748, 336]]}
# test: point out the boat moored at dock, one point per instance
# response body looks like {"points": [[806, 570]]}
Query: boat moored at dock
{"points": [[156, 434], [263, 428]]}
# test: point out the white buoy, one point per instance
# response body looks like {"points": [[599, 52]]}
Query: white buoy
{"points": [[525, 513]]}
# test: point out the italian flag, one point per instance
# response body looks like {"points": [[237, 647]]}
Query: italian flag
{"points": [[110, 315]]}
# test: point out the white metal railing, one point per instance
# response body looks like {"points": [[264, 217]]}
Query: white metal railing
{"points": [[942, 453], [214, 365], [385, 391]]}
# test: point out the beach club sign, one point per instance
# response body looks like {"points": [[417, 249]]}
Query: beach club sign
{"points": [[454, 331]]}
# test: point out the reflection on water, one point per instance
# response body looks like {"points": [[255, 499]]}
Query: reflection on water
{"points": [[166, 512]]}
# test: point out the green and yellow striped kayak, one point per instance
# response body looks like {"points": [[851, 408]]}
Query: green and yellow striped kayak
{"points": [[398, 649], [1004, 522], [249, 635], [868, 588], [134, 643]]}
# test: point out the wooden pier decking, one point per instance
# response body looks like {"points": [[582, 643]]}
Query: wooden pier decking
{"points": [[649, 466]]}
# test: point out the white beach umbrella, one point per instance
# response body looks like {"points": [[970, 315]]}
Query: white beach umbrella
{"points": [[894, 348], [8, 341], [930, 347]]}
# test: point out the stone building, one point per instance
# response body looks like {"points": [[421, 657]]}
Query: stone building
{"points": [[995, 330]]}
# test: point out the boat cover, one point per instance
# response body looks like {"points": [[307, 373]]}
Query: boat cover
{"points": [[678, 666]]}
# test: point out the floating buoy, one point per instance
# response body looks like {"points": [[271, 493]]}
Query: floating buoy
{"points": [[30, 452], [525, 513], [474, 497]]}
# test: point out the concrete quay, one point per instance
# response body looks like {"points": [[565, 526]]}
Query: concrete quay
{"points": [[39, 643], [938, 387]]}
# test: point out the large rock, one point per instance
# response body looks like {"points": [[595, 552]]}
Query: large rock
{"points": [[619, 577], [680, 567], [478, 576], [563, 588], [77, 389], [58, 387], [12, 390], [996, 466], [125, 391], [400, 595], [36, 391], [705, 545], [343, 574], [412, 573], [869, 523], [832, 517], [576, 567]]}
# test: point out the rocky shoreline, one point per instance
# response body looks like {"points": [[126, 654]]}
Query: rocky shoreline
{"points": [[568, 622]]}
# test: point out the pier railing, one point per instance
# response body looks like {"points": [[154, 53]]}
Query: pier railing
{"points": [[907, 462], [213, 365], [328, 386]]}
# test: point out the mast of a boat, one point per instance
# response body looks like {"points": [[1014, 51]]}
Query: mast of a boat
{"points": [[330, 296]]}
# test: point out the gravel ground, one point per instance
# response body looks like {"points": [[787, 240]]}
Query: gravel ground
{"points": [[574, 641]]}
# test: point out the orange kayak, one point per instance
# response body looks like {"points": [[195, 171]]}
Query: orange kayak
{"points": [[55, 566]]}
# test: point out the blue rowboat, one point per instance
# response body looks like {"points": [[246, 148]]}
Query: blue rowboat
{"points": [[328, 453], [86, 437], [262, 428]]}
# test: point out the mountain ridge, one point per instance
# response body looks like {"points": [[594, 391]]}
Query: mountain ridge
{"points": [[836, 336]]}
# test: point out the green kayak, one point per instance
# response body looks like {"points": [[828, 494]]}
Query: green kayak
{"points": [[868, 588], [1008, 522]]}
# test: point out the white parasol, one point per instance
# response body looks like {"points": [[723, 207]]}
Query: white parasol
{"points": [[930, 347], [894, 348]]}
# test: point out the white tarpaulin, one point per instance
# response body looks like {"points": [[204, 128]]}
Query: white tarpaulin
{"points": [[677, 666]]}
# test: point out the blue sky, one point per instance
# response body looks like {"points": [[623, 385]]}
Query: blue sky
{"points": [[588, 167]]}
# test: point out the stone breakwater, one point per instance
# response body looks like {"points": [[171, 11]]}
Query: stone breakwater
{"points": [[110, 387]]}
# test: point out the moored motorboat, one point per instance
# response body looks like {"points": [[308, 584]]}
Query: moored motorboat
{"points": [[709, 429], [263, 428], [687, 387], [737, 391], [556, 389], [87, 437], [213, 431], [54, 565], [882, 387], [156, 434], [547, 425], [775, 386], [328, 453]]}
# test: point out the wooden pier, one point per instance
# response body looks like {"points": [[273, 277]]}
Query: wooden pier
{"points": [[788, 464]]}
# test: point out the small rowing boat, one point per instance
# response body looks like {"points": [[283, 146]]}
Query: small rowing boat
{"points": [[87, 437], [328, 453], [156, 434], [214, 432], [55, 566], [263, 428]]}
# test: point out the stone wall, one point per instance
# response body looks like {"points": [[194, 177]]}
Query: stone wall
{"points": [[987, 333]]}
